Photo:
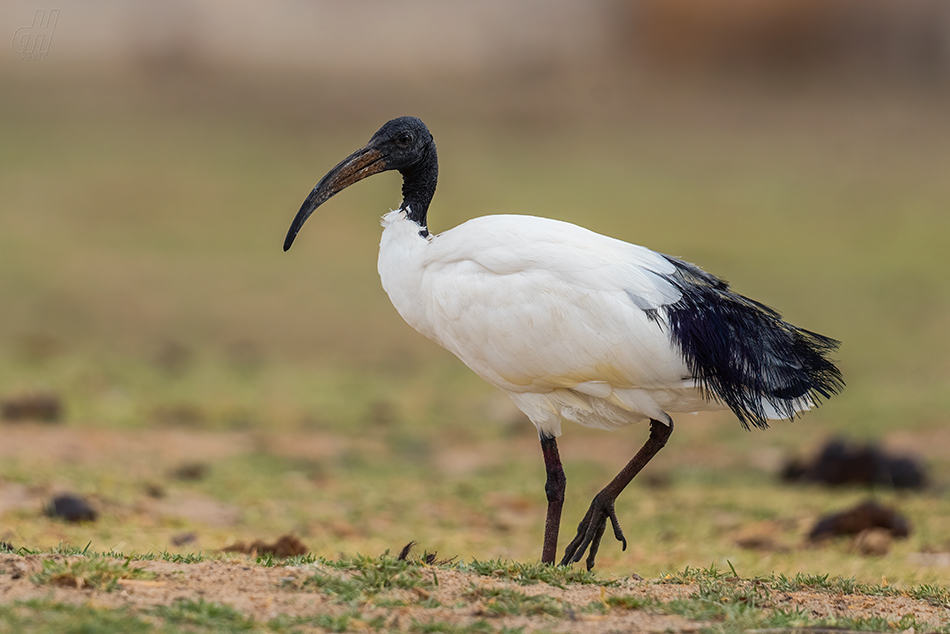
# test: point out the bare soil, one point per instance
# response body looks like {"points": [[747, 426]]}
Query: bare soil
{"points": [[263, 593]]}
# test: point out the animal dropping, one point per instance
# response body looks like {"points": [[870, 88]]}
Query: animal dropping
{"points": [[72, 508]]}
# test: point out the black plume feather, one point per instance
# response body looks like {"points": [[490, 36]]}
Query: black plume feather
{"points": [[743, 353]]}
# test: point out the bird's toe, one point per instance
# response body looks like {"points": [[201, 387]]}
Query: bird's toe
{"points": [[591, 530]]}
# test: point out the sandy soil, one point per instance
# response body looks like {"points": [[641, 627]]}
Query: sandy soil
{"points": [[264, 593]]}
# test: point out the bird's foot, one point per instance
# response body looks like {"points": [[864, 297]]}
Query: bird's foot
{"points": [[591, 530]]}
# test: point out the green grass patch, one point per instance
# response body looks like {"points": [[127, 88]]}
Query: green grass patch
{"points": [[532, 572], [349, 621], [40, 616], [67, 550], [935, 595], [479, 626], [730, 604], [508, 602], [363, 578], [204, 615], [932, 594], [88, 572]]}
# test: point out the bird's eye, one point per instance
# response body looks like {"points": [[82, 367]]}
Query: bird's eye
{"points": [[404, 139]]}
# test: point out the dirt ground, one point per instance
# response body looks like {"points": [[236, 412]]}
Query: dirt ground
{"points": [[263, 593]]}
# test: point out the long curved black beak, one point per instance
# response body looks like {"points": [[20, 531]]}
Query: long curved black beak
{"points": [[364, 162]]}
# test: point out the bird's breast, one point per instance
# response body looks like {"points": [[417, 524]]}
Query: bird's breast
{"points": [[401, 266]]}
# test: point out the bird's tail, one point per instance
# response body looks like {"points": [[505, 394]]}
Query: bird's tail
{"points": [[744, 354]]}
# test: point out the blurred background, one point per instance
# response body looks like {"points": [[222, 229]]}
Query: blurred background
{"points": [[163, 358]]}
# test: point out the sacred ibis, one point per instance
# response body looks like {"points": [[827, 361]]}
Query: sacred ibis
{"points": [[575, 325]]}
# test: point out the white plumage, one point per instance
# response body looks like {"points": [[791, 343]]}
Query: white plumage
{"points": [[575, 325], [544, 311]]}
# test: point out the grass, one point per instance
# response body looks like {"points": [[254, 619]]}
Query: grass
{"points": [[729, 604], [508, 602], [733, 604], [196, 617], [718, 613], [140, 259], [98, 573], [367, 577], [532, 573], [67, 550], [37, 616], [627, 602], [721, 601], [332, 516], [711, 576], [202, 614], [441, 627]]}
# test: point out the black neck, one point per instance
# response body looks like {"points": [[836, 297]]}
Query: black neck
{"points": [[418, 187]]}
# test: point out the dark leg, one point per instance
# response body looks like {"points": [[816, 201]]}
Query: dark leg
{"points": [[554, 489], [592, 527]]}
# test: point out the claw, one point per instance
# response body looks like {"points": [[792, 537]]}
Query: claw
{"points": [[618, 532], [595, 544], [591, 530]]}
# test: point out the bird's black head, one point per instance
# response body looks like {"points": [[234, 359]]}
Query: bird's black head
{"points": [[404, 144]]}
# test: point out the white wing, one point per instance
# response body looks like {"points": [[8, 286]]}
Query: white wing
{"points": [[561, 318], [541, 304]]}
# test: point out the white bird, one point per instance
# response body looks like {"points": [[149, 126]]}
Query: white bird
{"points": [[575, 325]]}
